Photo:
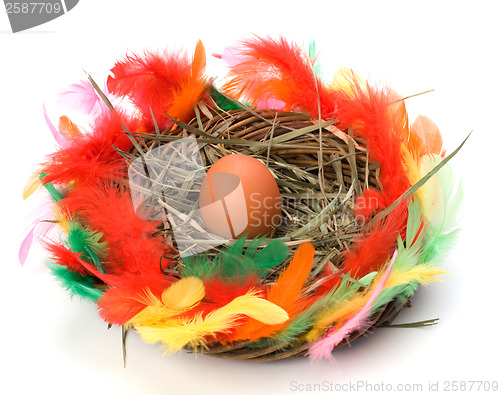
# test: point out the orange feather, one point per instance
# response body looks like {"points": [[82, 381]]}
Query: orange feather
{"points": [[187, 96], [424, 138], [67, 127], [277, 70], [287, 292]]}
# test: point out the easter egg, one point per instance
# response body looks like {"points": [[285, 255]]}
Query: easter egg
{"points": [[238, 196]]}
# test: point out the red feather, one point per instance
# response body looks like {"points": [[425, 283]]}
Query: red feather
{"points": [[373, 250], [92, 157], [118, 306], [218, 294], [134, 245], [370, 251], [161, 83], [276, 69], [63, 256], [377, 117], [221, 292]]}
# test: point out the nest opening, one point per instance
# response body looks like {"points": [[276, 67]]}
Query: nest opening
{"points": [[319, 170]]}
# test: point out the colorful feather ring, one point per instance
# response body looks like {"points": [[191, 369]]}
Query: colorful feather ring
{"points": [[367, 202]]}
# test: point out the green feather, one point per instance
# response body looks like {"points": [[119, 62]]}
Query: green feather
{"points": [[313, 54], [86, 242], [413, 224], [236, 262], [223, 102], [302, 323], [273, 254], [200, 266], [444, 219], [54, 193], [75, 283]]}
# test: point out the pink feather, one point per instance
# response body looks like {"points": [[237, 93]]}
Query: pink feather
{"points": [[39, 229], [323, 347], [60, 138], [232, 56], [83, 98]]}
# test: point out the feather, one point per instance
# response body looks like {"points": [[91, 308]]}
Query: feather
{"points": [[372, 250], [54, 193], [323, 347], [443, 199], [424, 138], [303, 322], [232, 263], [287, 293], [161, 83], [220, 292], [343, 301], [41, 225], [32, 185], [82, 97], [178, 298], [136, 253], [187, 95], [184, 293], [134, 247], [60, 138], [25, 247], [71, 260], [223, 102], [277, 70], [252, 262], [314, 56], [86, 242], [379, 118], [289, 286], [67, 127], [119, 304], [92, 157], [116, 305], [75, 283], [345, 79], [409, 272], [195, 332]]}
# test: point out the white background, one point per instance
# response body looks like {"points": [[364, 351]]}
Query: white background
{"points": [[51, 344]]}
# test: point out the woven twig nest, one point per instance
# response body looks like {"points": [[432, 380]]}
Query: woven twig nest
{"points": [[360, 227]]}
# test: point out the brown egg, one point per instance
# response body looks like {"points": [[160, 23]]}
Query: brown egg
{"points": [[239, 195]]}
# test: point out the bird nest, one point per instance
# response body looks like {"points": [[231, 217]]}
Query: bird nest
{"points": [[362, 224], [319, 170]]}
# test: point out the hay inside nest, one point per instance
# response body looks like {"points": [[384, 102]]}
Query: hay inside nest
{"points": [[319, 170]]}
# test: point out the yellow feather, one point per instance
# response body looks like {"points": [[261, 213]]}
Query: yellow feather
{"points": [[61, 219], [180, 297], [423, 274], [344, 80], [340, 311], [184, 293], [177, 333], [413, 172], [32, 185]]}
